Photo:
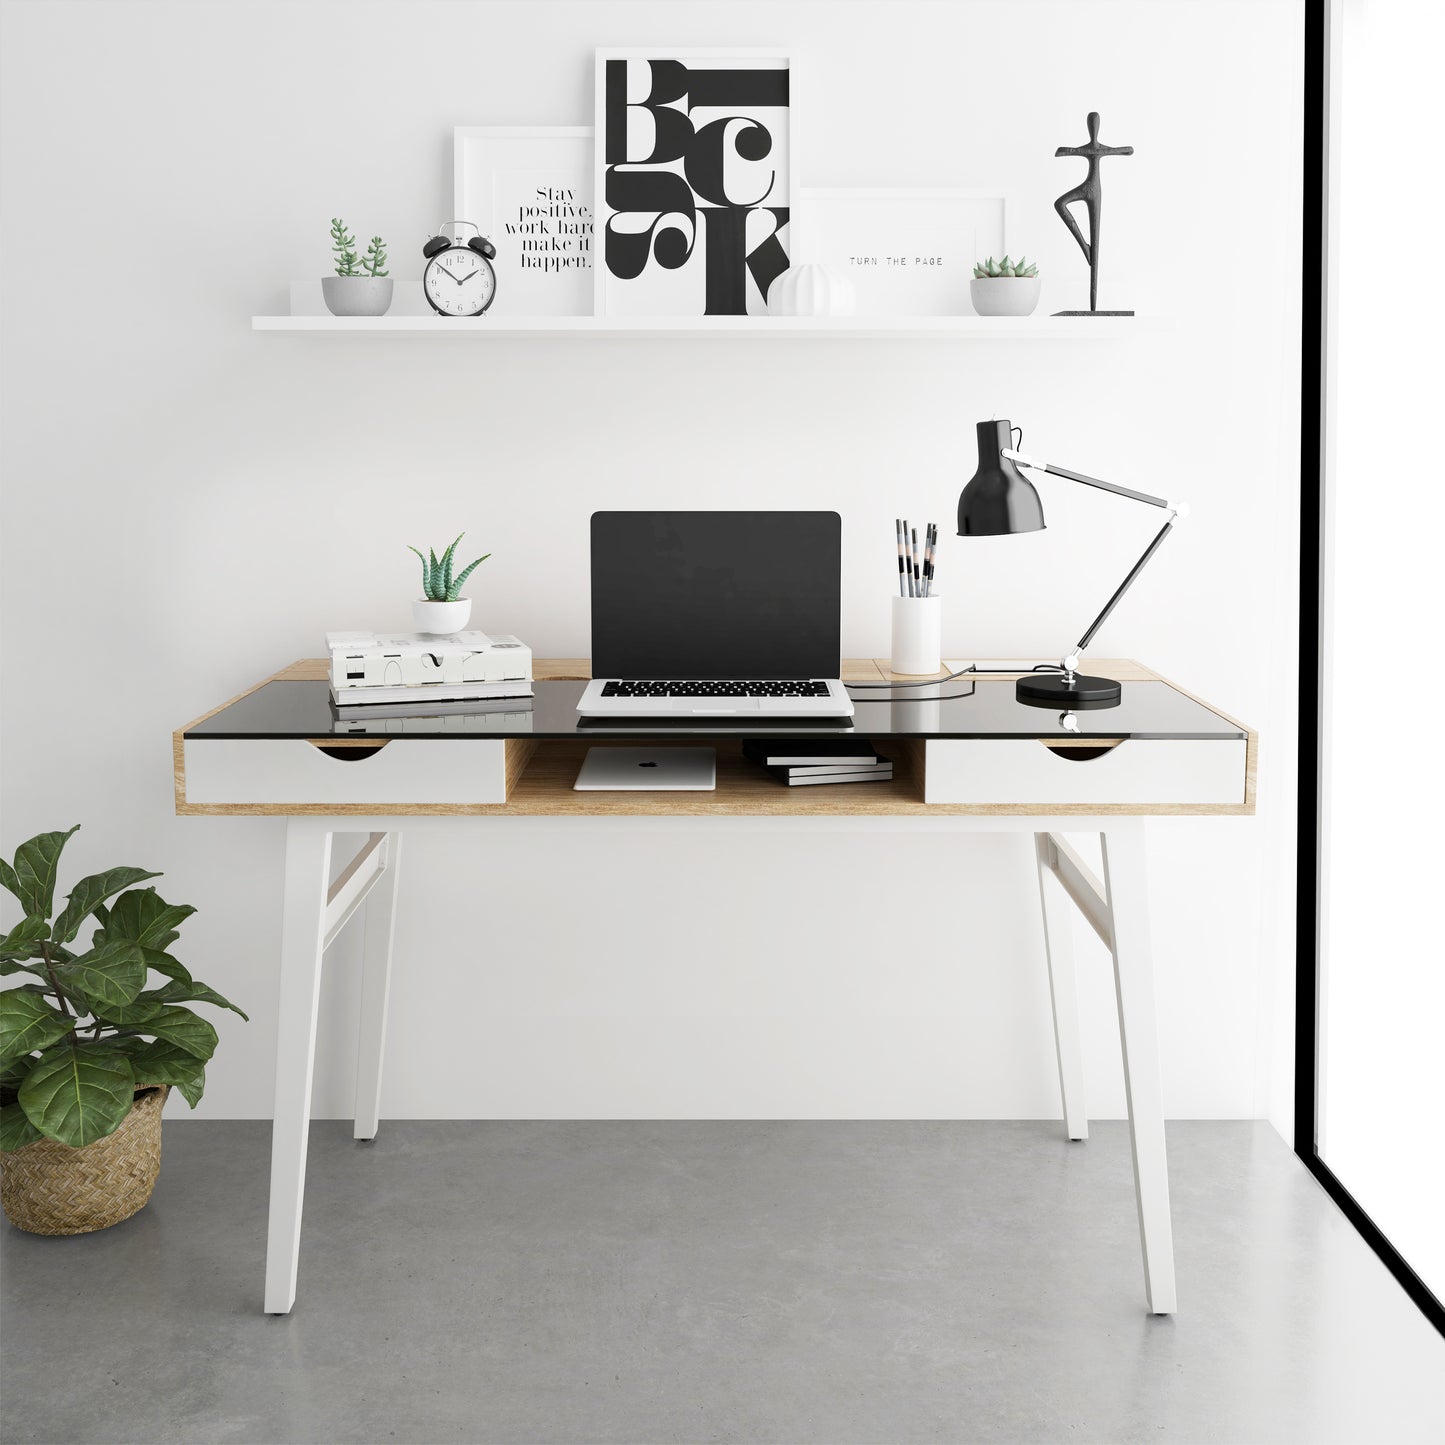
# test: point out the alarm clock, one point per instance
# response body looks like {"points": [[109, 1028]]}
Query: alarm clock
{"points": [[459, 279]]}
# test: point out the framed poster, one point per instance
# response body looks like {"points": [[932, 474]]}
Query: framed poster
{"points": [[907, 252], [694, 180], [529, 188]]}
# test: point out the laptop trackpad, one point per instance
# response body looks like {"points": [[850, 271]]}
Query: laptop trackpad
{"points": [[742, 704]]}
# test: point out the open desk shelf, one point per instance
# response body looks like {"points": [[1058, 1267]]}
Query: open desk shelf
{"points": [[753, 328]]}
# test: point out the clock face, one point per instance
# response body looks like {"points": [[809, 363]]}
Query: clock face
{"points": [[459, 282]]}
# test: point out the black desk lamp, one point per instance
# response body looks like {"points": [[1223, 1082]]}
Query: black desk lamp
{"points": [[998, 501]]}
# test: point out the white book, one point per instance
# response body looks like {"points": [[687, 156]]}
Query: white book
{"points": [[369, 660], [359, 699]]}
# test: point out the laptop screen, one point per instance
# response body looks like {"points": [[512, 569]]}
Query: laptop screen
{"points": [[716, 594]]}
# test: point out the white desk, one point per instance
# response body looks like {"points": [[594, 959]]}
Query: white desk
{"points": [[958, 769]]}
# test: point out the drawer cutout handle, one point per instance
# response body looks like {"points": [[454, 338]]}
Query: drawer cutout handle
{"points": [[1082, 752], [348, 752]]}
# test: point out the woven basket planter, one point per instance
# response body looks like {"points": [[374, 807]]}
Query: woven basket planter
{"points": [[50, 1188]]}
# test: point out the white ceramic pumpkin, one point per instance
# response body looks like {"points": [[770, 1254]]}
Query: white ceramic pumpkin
{"points": [[811, 291]]}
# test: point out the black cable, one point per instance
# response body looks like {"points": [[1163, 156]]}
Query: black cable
{"points": [[939, 681]]}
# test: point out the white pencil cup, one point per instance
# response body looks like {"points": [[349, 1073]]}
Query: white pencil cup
{"points": [[917, 636]]}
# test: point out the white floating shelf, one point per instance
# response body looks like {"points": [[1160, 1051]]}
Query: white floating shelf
{"points": [[964, 328]]}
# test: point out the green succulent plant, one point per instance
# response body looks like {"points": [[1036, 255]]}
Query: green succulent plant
{"points": [[374, 262], [437, 582], [344, 244], [82, 1032], [984, 269]]}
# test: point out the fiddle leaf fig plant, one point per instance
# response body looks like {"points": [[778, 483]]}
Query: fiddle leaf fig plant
{"points": [[437, 582], [81, 1031]]}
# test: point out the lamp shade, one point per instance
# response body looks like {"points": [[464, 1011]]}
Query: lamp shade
{"points": [[998, 498]]}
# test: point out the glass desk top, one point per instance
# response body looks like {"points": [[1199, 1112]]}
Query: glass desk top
{"points": [[982, 708]]}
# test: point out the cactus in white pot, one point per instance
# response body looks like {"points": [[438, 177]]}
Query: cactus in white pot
{"points": [[441, 608], [360, 286], [1005, 288]]}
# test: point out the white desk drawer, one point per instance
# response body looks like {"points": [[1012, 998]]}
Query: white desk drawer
{"points": [[1135, 771], [291, 770]]}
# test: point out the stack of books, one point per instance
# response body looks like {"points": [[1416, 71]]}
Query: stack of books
{"points": [[808, 762], [413, 674]]}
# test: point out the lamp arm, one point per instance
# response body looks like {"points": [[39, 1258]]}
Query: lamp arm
{"points": [[1177, 511], [1026, 461]]}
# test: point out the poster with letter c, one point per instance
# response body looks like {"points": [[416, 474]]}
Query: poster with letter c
{"points": [[694, 183]]}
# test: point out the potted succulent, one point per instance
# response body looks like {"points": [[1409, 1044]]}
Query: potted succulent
{"points": [[360, 286], [88, 1053], [1005, 288], [440, 609]]}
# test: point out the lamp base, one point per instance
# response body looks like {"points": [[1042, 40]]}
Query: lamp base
{"points": [[1050, 690]]}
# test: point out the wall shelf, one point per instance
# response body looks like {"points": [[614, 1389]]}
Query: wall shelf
{"points": [[962, 328]]}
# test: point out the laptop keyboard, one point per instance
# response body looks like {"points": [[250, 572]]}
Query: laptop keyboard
{"points": [[731, 688]]}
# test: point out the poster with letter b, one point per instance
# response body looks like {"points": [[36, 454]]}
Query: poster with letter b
{"points": [[694, 182]]}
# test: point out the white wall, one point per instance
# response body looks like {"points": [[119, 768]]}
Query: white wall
{"points": [[189, 505]]}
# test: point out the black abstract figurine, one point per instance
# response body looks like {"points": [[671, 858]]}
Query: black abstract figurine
{"points": [[1091, 192]]}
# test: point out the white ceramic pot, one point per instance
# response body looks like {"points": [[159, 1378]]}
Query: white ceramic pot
{"points": [[441, 618], [1004, 295], [811, 291], [357, 295]]}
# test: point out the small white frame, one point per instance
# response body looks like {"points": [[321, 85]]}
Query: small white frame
{"points": [[480, 151], [816, 241]]}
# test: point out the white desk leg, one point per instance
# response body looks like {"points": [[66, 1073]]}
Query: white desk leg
{"points": [[1126, 883], [1059, 946], [376, 990], [303, 942]]}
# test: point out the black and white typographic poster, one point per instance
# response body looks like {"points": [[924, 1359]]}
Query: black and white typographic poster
{"points": [[694, 181], [529, 188]]}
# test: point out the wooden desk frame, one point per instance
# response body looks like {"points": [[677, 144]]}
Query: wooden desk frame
{"points": [[315, 909]]}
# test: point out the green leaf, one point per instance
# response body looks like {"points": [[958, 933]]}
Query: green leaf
{"points": [[142, 916], [78, 1093], [12, 1074], [32, 880], [447, 558], [434, 582], [109, 975], [25, 933], [466, 572], [91, 891], [134, 1015], [187, 1030], [16, 1131], [164, 1063], [190, 991], [13, 965], [28, 1022], [424, 575], [162, 962]]}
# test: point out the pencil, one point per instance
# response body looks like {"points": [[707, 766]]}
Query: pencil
{"points": [[898, 538], [917, 574], [907, 563]]}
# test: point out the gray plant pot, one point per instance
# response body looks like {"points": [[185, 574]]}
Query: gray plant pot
{"points": [[356, 295]]}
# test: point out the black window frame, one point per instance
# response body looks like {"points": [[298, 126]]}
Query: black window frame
{"points": [[1313, 520]]}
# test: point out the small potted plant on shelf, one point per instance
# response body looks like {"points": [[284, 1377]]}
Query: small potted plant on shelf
{"points": [[1005, 288], [88, 1053], [360, 286], [441, 609]]}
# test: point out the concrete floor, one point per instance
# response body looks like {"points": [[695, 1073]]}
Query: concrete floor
{"points": [[830, 1282]]}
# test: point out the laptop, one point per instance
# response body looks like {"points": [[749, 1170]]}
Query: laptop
{"points": [[716, 615]]}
